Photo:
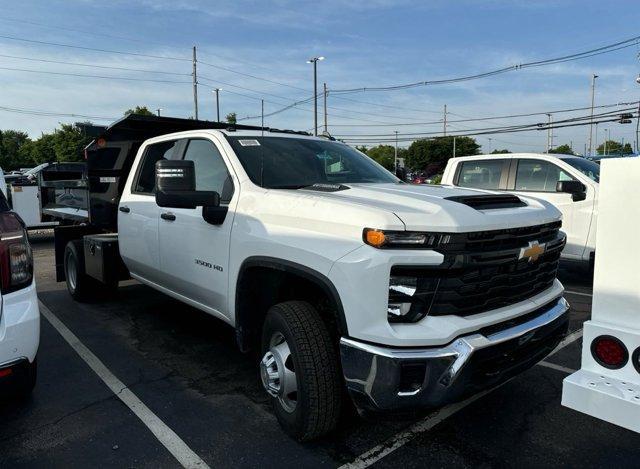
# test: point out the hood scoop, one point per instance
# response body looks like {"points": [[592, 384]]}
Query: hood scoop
{"points": [[320, 187], [488, 202]]}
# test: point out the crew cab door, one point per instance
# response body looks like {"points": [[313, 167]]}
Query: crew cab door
{"points": [[194, 254], [138, 215], [538, 178]]}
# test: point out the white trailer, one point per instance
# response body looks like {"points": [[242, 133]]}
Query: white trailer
{"points": [[608, 384]]}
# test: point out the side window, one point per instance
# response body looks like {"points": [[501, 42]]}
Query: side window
{"points": [[211, 171], [481, 174], [146, 182], [539, 176]]}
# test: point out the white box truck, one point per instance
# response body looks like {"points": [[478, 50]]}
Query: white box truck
{"points": [[608, 384]]}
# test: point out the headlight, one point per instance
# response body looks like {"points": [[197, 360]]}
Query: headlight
{"points": [[383, 239], [410, 297]]}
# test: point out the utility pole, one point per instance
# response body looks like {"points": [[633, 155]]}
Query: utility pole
{"points": [[606, 139], [325, 109], [454, 147], [217, 92], [489, 144], [395, 156], [444, 127], [593, 95], [596, 142], [158, 111], [262, 116], [195, 85], [549, 133]]}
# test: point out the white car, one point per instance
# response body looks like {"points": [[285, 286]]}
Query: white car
{"points": [[19, 312], [3, 184], [568, 182]]}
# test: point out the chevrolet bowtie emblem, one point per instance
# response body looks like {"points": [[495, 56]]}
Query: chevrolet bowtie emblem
{"points": [[533, 251]]}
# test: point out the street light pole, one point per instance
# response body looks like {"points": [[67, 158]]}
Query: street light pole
{"points": [[606, 139], [593, 95], [158, 111], [217, 91], [326, 130], [314, 61]]}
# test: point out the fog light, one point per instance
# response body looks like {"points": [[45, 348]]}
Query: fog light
{"points": [[410, 297], [609, 352]]}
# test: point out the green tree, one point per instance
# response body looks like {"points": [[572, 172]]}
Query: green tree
{"points": [[69, 142], [384, 155], [12, 155], [139, 110], [562, 149], [499, 152], [232, 118], [614, 148], [362, 148], [431, 155]]}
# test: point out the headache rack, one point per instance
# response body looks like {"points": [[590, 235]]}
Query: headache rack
{"points": [[90, 195]]}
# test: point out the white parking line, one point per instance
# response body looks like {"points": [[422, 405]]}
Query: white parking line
{"points": [[553, 366], [174, 444], [400, 439], [578, 293]]}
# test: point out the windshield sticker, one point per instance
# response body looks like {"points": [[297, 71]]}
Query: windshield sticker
{"points": [[249, 143]]}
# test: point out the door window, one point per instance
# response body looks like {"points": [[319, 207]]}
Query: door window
{"points": [[211, 170], [481, 174], [146, 183], [539, 176]]}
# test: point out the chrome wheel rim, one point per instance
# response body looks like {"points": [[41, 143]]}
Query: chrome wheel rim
{"points": [[71, 271], [278, 373]]}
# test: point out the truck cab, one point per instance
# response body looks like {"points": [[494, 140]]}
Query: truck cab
{"points": [[337, 273], [570, 183]]}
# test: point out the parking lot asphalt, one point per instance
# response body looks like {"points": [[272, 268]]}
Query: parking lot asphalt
{"points": [[184, 367]]}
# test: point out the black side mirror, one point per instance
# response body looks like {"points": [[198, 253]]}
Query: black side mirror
{"points": [[176, 186], [577, 190]]}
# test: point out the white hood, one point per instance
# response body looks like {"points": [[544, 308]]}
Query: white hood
{"points": [[425, 207]]}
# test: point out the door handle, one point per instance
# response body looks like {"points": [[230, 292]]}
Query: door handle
{"points": [[168, 216], [124, 209]]}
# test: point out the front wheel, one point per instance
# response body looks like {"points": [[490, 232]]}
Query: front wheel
{"points": [[300, 370]]}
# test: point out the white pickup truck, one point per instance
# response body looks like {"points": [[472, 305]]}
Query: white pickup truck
{"points": [[570, 183], [336, 271]]}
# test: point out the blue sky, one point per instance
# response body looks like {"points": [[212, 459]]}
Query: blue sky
{"points": [[366, 43]]}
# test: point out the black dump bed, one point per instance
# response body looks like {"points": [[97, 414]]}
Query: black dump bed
{"points": [[92, 196]]}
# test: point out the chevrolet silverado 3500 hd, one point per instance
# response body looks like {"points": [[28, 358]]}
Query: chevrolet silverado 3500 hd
{"points": [[336, 271]]}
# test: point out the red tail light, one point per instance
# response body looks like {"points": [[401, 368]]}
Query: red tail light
{"points": [[16, 261], [609, 352]]}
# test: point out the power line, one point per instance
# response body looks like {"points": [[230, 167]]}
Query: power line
{"points": [[580, 55], [571, 122], [39, 112], [486, 118], [95, 49], [82, 75], [108, 67]]}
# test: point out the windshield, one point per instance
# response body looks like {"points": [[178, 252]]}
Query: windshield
{"points": [[586, 167], [291, 163]]}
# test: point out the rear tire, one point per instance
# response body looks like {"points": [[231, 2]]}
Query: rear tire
{"points": [[300, 370], [80, 286]]}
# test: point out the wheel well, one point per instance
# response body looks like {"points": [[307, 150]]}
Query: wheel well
{"points": [[262, 284]]}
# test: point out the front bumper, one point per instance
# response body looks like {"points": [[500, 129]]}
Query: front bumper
{"points": [[392, 379]]}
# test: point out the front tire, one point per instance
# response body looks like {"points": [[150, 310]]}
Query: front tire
{"points": [[300, 370]]}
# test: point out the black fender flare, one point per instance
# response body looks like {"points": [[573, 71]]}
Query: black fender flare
{"points": [[298, 269]]}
